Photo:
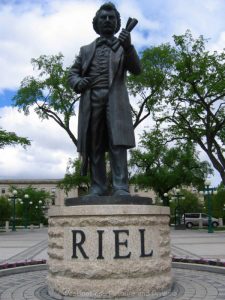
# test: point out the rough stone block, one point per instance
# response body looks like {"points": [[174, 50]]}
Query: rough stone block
{"points": [[109, 251]]}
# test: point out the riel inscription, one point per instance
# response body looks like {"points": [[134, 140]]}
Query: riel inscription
{"points": [[124, 243], [109, 251]]}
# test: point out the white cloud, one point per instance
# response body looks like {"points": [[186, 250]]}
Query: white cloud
{"points": [[135, 10], [30, 33], [29, 29], [49, 151], [219, 44], [202, 17]]}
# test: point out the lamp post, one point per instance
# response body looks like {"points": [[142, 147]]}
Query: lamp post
{"points": [[14, 192], [39, 207], [177, 197], [208, 191], [26, 197], [14, 198], [30, 203], [166, 198]]}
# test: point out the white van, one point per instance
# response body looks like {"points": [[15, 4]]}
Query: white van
{"points": [[192, 219]]}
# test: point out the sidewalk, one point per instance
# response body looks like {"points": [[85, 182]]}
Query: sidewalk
{"points": [[198, 244], [23, 245]]}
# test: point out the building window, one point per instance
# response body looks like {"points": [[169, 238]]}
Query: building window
{"points": [[3, 191]]}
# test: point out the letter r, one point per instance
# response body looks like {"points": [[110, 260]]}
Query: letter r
{"points": [[79, 244]]}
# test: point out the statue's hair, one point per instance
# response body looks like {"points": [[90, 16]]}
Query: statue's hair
{"points": [[107, 6]]}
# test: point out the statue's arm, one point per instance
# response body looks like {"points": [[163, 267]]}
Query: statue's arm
{"points": [[74, 75], [132, 61], [78, 83]]}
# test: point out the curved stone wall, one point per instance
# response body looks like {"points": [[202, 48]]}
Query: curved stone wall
{"points": [[109, 251]]}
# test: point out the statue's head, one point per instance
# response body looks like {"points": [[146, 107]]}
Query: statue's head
{"points": [[107, 20]]}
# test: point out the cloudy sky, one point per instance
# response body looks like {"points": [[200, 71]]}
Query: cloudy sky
{"points": [[30, 28]]}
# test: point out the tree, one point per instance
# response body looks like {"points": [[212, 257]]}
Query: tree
{"points": [[149, 87], [73, 179], [5, 210], [189, 204], [49, 93], [162, 168], [33, 213], [191, 106], [218, 203], [51, 96], [11, 139]]}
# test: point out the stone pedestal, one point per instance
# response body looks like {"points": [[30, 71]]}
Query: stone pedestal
{"points": [[109, 251]]}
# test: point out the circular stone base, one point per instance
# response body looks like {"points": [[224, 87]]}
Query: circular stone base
{"points": [[109, 251], [153, 296]]}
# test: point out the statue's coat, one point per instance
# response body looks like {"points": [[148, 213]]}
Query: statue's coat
{"points": [[119, 117]]}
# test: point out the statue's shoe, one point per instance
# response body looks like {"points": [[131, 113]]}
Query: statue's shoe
{"points": [[121, 193]]}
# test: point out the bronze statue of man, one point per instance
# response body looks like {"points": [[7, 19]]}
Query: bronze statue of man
{"points": [[105, 120]]}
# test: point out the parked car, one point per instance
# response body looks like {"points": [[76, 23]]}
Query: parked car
{"points": [[192, 219]]}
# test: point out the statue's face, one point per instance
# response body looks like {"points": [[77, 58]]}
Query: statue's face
{"points": [[107, 22]]}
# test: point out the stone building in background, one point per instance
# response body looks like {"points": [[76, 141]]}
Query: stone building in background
{"points": [[48, 185], [57, 195]]}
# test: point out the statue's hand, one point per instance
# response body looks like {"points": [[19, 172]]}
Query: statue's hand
{"points": [[125, 39], [84, 84]]}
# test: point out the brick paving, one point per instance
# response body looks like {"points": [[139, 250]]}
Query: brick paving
{"points": [[188, 284], [22, 286]]}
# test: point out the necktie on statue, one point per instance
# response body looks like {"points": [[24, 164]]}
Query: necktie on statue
{"points": [[103, 41]]}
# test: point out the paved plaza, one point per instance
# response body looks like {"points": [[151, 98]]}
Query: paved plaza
{"points": [[188, 284], [23, 245], [198, 244]]}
